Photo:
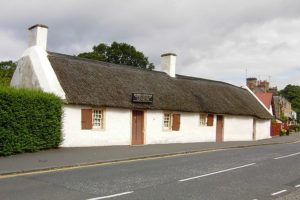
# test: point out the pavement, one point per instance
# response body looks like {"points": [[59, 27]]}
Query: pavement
{"points": [[292, 196], [85, 156]]}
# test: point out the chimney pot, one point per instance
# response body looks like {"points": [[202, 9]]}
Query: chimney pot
{"points": [[168, 63], [251, 83], [38, 35]]}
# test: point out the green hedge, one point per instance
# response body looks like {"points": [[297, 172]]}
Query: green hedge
{"points": [[30, 120]]}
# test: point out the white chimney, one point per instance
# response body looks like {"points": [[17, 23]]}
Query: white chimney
{"points": [[38, 36], [168, 63]]}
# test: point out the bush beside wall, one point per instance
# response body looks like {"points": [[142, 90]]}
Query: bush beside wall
{"points": [[30, 120]]}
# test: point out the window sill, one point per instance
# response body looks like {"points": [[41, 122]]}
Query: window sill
{"points": [[98, 129]]}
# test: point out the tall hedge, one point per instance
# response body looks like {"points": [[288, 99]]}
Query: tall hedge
{"points": [[30, 120]]}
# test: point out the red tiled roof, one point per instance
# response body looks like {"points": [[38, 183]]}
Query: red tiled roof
{"points": [[266, 98]]}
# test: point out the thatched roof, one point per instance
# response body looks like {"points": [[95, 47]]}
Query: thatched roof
{"points": [[94, 83]]}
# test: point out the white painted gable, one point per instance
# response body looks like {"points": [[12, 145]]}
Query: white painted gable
{"points": [[34, 69]]}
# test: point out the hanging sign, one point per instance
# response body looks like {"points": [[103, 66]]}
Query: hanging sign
{"points": [[142, 98]]}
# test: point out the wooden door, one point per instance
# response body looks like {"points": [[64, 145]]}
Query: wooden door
{"points": [[219, 129], [137, 127]]}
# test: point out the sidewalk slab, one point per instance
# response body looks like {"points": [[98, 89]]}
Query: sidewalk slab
{"points": [[65, 157]]}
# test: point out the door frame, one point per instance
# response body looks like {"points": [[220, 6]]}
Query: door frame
{"points": [[222, 131], [143, 126]]}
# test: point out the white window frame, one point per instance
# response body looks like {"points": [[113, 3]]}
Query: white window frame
{"points": [[98, 118], [203, 119], [169, 121]]}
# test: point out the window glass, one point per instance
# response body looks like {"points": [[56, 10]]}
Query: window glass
{"points": [[203, 119], [97, 118], [167, 120]]}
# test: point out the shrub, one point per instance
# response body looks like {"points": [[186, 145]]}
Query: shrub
{"points": [[283, 132], [295, 128], [30, 120]]}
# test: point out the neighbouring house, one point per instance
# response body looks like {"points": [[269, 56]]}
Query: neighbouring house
{"points": [[260, 86], [294, 117], [282, 114], [266, 99], [280, 107], [110, 104]]}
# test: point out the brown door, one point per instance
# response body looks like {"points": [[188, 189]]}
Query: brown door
{"points": [[137, 127], [219, 132]]}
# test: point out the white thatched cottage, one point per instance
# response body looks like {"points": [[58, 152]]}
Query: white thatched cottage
{"points": [[109, 104]]}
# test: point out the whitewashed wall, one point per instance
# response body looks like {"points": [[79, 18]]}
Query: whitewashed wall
{"points": [[263, 129], [238, 128], [190, 129], [117, 128], [35, 71]]}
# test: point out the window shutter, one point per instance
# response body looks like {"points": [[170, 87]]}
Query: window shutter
{"points": [[176, 122], [86, 119], [210, 119]]}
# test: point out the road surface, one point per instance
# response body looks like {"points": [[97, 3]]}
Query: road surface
{"points": [[262, 173]]}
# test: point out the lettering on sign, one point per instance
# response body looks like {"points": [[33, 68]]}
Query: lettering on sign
{"points": [[142, 98]]}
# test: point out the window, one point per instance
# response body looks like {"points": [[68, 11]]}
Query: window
{"points": [[97, 119], [167, 120], [172, 121], [203, 119], [92, 118]]}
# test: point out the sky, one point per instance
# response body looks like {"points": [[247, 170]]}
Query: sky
{"points": [[226, 40]]}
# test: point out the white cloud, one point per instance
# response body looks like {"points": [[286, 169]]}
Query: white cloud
{"points": [[11, 48], [213, 39], [268, 49]]}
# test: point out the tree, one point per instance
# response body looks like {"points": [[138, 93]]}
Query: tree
{"points": [[7, 69], [292, 94], [119, 53]]}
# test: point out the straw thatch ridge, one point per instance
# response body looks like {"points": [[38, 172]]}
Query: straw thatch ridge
{"points": [[101, 84]]}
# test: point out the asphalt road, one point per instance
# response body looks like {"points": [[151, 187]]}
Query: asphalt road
{"points": [[265, 172]]}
